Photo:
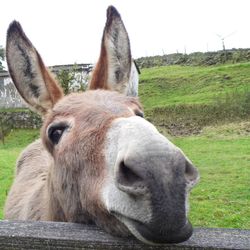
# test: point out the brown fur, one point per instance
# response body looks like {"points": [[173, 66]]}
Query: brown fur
{"points": [[54, 90], [65, 177], [100, 74]]}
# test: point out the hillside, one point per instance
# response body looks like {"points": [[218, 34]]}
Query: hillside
{"points": [[184, 99], [196, 58]]}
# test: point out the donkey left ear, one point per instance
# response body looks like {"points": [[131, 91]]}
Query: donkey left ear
{"points": [[32, 79], [113, 69]]}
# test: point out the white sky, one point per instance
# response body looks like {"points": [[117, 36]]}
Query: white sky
{"points": [[69, 31]]}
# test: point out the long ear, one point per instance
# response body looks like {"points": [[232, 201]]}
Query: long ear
{"points": [[28, 72], [113, 68]]}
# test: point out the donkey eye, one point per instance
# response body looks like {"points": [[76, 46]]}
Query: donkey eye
{"points": [[55, 133]]}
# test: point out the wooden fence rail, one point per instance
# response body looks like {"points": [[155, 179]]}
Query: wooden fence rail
{"points": [[58, 235]]}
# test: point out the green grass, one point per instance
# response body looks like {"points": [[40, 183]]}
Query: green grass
{"points": [[221, 199], [169, 85], [14, 144]]}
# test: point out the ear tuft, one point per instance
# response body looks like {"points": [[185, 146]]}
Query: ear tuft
{"points": [[111, 14], [15, 30], [14, 27]]}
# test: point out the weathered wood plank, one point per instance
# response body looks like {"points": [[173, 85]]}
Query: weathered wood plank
{"points": [[51, 235]]}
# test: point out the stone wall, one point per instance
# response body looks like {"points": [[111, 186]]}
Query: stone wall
{"points": [[196, 58], [20, 119]]}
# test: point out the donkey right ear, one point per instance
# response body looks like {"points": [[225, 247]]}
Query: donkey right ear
{"points": [[32, 79]]}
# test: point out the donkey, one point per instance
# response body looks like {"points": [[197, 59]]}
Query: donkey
{"points": [[98, 160]]}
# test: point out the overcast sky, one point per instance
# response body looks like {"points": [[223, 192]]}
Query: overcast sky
{"points": [[69, 31]]}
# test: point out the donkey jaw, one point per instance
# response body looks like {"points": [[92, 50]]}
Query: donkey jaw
{"points": [[145, 234]]}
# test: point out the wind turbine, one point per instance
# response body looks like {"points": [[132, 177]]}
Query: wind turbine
{"points": [[223, 43], [223, 39]]}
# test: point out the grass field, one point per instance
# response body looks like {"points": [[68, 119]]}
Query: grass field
{"points": [[212, 102], [221, 199]]}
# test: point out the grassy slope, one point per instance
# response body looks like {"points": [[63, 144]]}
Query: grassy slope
{"points": [[184, 99], [170, 85], [15, 142]]}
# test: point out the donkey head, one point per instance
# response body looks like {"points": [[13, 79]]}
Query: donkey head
{"points": [[110, 166]]}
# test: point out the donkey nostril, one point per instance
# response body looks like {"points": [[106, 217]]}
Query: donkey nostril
{"points": [[126, 176], [129, 180]]}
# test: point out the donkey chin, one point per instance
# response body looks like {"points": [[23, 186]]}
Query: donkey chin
{"points": [[150, 235], [148, 182]]}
